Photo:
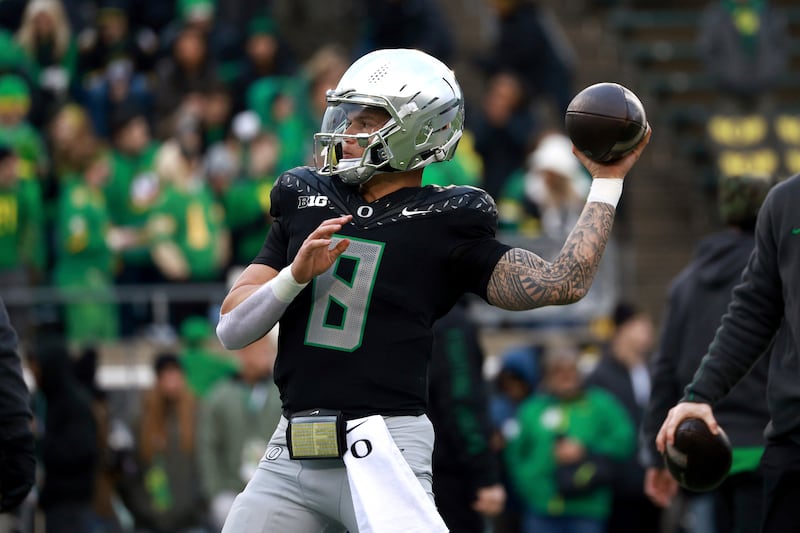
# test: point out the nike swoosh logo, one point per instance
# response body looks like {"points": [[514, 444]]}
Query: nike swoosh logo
{"points": [[354, 427], [796, 231], [410, 213]]}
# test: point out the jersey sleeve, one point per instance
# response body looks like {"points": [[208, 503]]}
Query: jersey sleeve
{"points": [[476, 250], [274, 251]]}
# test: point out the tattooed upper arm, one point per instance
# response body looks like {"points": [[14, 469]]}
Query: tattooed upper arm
{"points": [[523, 280]]}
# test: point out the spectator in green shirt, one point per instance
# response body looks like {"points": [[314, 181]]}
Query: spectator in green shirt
{"points": [[84, 269], [73, 143], [189, 241], [13, 57], [562, 458], [22, 250], [203, 365], [277, 101], [265, 55], [16, 131], [132, 192], [245, 194]]}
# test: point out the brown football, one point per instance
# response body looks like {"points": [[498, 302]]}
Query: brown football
{"points": [[698, 460], [605, 121]]}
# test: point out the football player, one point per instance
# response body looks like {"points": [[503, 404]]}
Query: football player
{"points": [[360, 262]]}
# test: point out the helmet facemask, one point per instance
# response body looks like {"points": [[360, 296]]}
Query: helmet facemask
{"points": [[371, 125]]}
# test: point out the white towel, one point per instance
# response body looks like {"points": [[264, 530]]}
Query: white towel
{"points": [[387, 496]]}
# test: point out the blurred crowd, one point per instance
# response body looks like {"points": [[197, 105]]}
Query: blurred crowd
{"points": [[138, 145], [169, 458], [549, 443], [139, 140]]}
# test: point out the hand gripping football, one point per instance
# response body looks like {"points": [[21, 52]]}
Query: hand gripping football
{"points": [[698, 460]]}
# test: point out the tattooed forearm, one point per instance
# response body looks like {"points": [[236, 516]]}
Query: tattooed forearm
{"points": [[523, 280]]}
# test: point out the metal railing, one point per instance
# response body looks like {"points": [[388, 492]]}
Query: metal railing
{"points": [[158, 296]]}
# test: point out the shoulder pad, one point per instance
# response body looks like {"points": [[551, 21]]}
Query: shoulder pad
{"points": [[454, 197], [299, 188], [302, 180]]}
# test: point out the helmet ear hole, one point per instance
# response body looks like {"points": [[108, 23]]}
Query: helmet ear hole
{"points": [[424, 134], [378, 154]]}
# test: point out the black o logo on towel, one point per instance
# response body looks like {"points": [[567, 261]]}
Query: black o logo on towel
{"points": [[361, 448]]}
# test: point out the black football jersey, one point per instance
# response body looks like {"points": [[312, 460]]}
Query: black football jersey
{"points": [[358, 337]]}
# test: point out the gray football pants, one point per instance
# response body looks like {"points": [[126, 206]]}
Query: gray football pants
{"points": [[301, 496]]}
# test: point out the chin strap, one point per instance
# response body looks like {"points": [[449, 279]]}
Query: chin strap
{"points": [[440, 153]]}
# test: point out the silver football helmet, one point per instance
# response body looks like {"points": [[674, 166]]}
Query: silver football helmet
{"points": [[421, 110]]}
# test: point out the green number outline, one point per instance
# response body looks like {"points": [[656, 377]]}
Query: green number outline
{"points": [[317, 299]]}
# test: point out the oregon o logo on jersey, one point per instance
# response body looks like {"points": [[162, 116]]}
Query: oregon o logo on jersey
{"points": [[364, 211]]}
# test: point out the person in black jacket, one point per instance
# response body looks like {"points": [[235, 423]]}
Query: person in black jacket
{"points": [[698, 297], [622, 371], [17, 459], [466, 477], [69, 450], [764, 311]]}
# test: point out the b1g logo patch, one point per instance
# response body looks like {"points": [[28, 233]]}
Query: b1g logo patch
{"points": [[312, 201]]}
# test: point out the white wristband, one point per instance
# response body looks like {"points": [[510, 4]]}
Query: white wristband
{"points": [[285, 287], [605, 190]]}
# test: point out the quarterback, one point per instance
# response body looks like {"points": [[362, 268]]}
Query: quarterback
{"points": [[359, 263]]}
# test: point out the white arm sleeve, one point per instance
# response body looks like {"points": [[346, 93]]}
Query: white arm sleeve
{"points": [[257, 314]]}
